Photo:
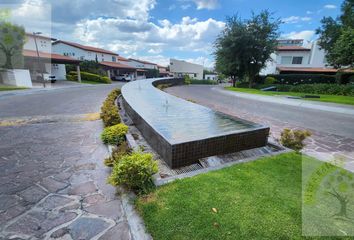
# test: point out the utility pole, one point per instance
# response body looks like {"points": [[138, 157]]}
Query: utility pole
{"points": [[38, 57]]}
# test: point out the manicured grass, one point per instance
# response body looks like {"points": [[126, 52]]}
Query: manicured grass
{"points": [[324, 98], [256, 200], [11, 88]]}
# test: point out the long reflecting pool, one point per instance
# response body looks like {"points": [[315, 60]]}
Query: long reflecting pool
{"points": [[181, 131]]}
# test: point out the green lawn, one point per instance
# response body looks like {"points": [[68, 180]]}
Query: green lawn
{"points": [[11, 88], [324, 98], [256, 200]]}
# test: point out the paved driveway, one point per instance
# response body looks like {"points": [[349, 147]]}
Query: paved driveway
{"points": [[53, 181], [333, 133]]}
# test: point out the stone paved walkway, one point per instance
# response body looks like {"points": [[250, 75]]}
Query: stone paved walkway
{"points": [[53, 183]]}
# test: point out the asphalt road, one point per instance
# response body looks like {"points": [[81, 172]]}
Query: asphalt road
{"points": [[322, 121], [76, 100]]}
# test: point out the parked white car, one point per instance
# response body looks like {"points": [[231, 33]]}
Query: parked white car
{"points": [[124, 77], [47, 77]]}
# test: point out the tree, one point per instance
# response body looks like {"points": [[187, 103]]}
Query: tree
{"points": [[12, 39], [244, 46], [336, 36]]}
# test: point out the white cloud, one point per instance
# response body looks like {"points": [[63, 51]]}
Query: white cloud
{"points": [[204, 4], [309, 12], [185, 6], [306, 35], [128, 29], [296, 19], [187, 35], [330, 6]]}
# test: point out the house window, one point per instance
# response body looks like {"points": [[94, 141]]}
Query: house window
{"points": [[113, 59], [297, 60], [286, 60], [195, 75]]}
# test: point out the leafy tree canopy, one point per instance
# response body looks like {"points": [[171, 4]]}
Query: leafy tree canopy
{"points": [[12, 39], [244, 46], [336, 37]]}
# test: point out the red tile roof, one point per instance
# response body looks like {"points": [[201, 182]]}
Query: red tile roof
{"points": [[50, 56], [120, 58], [142, 61], [116, 65], [292, 48], [87, 48]]}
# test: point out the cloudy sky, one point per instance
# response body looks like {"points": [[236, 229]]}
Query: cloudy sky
{"points": [[156, 30]]}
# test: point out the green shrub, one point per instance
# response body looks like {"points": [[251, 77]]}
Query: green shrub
{"points": [[187, 79], [115, 134], [294, 139], [109, 110], [117, 154], [344, 77], [85, 76], [295, 79], [106, 80], [135, 172], [70, 77], [204, 81], [269, 80], [330, 89]]}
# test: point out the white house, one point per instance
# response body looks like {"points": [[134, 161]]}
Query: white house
{"points": [[82, 52], [114, 64], [293, 56], [140, 64], [54, 64], [213, 77], [180, 68]]}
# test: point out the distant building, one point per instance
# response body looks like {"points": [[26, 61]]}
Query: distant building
{"points": [[51, 63], [213, 77], [111, 62], [163, 71], [180, 68], [293, 56], [82, 52], [141, 64]]}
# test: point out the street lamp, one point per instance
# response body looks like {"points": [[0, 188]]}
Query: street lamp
{"points": [[38, 57]]}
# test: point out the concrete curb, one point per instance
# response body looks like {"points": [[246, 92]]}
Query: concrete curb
{"points": [[163, 181]]}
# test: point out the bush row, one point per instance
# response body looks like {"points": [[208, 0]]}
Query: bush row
{"points": [[296, 79], [330, 89], [109, 110], [85, 76], [133, 170], [206, 82]]}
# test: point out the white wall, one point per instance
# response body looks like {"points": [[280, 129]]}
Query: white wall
{"points": [[311, 59], [180, 68], [318, 56], [141, 65], [211, 77], [59, 71], [44, 44], [16, 77], [80, 54]]}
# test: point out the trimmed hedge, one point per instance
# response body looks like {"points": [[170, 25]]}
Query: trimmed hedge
{"points": [[135, 172], [330, 89], [206, 82], [296, 79], [85, 76], [114, 135], [109, 110]]}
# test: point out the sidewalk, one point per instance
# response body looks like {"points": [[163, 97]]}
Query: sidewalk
{"points": [[329, 107], [38, 87]]}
